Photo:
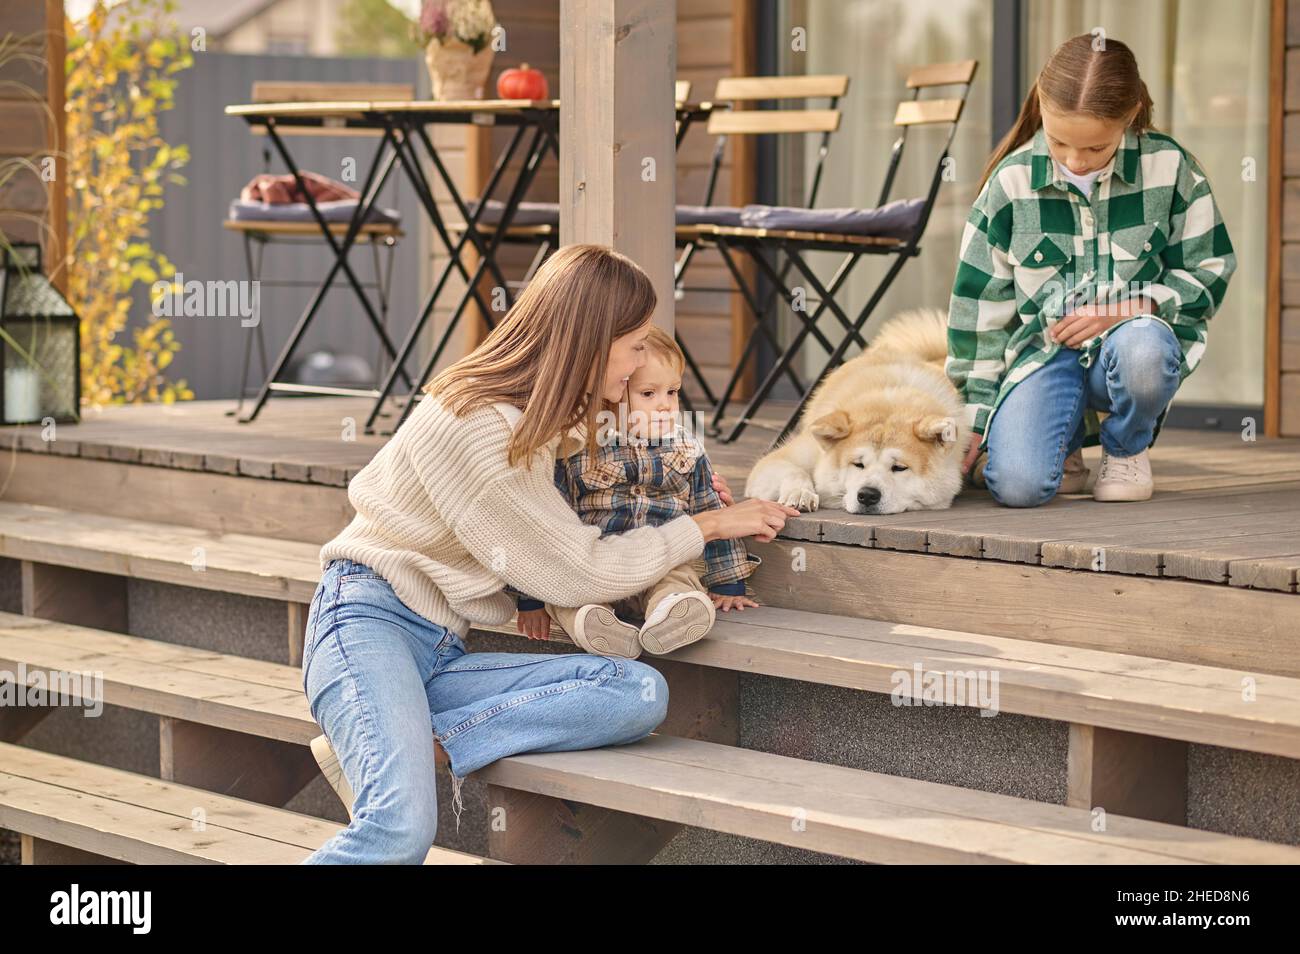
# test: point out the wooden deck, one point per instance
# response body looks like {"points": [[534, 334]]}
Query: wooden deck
{"points": [[1225, 510]]}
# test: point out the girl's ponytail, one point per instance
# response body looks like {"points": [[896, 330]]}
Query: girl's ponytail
{"points": [[1026, 125], [1142, 121]]}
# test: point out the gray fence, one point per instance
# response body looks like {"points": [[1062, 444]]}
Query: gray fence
{"points": [[224, 157]]}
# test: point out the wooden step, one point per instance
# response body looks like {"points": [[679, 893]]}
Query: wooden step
{"points": [[167, 553], [1198, 623], [249, 696], [137, 818], [856, 814], [1147, 696], [1193, 622], [841, 811], [1156, 697], [1131, 713]]}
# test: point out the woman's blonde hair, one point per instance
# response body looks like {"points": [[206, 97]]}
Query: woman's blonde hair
{"points": [[549, 355], [1079, 78]]}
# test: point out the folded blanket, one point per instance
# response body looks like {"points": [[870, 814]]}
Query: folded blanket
{"points": [[277, 190], [339, 211]]}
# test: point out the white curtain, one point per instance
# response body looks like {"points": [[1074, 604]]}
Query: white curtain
{"points": [[877, 43]]}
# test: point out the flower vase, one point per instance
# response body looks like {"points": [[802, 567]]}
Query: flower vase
{"points": [[456, 71]]}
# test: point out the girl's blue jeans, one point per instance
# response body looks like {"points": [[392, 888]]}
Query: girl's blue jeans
{"points": [[1041, 421], [383, 682]]}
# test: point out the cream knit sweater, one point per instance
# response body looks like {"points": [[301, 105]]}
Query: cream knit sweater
{"points": [[447, 523]]}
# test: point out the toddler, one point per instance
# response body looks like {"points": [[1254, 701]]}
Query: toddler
{"points": [[647, 469]]}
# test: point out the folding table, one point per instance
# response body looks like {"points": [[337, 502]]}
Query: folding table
{"points": [[404, 134]]}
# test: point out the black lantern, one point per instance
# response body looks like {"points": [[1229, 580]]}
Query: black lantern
{"points": [[40, 343]]}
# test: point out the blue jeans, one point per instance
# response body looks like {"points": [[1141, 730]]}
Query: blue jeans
{"points": [[383, 682], [1041, 421]]}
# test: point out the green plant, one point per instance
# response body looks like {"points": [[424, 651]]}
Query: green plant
{"points": [[121, 74], [375, 28]]}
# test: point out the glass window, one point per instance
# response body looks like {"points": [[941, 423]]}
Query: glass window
{"points": [[877, 43]]}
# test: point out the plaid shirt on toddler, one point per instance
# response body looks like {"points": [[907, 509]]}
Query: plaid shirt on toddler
{"points": [[625, 483]]}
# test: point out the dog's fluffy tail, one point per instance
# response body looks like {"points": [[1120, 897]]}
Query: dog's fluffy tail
{"points": [[921, 333]]}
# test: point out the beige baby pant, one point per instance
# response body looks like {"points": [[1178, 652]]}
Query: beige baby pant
{"points": [[680, 579]]}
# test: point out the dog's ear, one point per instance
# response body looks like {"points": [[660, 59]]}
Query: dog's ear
{"points": [[830, 428], [942, 430]]}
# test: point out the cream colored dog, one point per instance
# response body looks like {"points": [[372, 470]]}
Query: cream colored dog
{"points": [[883, 432]]}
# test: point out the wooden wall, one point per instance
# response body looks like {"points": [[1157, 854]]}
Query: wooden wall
{"points": [[713, 40], [1282, 397], [32, 125]]}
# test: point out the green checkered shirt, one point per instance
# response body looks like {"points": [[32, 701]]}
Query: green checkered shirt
{"points": [[1034, 247]]}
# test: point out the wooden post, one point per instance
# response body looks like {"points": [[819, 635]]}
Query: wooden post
{"points": [[1123, 773], [1277, 94], [618, 61], [56, 51], [744, 184]]}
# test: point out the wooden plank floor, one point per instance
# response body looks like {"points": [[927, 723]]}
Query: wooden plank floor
{"points": [[1225, 510]]}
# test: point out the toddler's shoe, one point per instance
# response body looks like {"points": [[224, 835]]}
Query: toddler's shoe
{"points": [[1075, 476], [332, 770], [598, 630], [679, 620], [1124, 478]]}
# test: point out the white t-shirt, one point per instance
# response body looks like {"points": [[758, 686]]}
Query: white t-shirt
{"points": [[1083, 182]]}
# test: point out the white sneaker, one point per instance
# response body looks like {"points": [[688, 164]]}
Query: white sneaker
{"points": [[1124, 478], [1075, 476], [679, 620], [332, 770], [597, 629]]}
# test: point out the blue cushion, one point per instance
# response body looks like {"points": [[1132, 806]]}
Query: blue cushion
{"points": [[708, 215], [897, 219], [341, 210], [526, 213]]}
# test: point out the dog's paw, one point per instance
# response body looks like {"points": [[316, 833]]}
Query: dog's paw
{"points": [[798, 494]]}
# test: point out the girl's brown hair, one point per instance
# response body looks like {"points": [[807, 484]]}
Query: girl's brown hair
{"points": [[1077, 78], [550, 353]]}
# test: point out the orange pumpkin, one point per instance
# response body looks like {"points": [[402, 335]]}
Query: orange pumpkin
{"points": [[522, 82]]}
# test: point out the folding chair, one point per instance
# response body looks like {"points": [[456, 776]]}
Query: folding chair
{"points": [[723, 124], [891, 229], [290, 226], [538, 223]]}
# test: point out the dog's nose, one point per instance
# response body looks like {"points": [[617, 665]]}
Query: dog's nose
{"points": [[868, 496]]}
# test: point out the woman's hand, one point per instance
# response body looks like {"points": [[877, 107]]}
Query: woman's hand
{"points": [[535, 624], [724, 492], [1088, 321], [760, 519]]}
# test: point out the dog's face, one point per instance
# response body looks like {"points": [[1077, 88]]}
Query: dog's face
{"points": [[888, 462]]}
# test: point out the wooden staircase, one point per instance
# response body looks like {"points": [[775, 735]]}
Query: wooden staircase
{"points": [[234, 730]]}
